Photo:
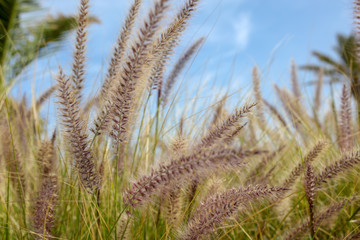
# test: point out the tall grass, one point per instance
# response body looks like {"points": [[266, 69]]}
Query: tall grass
{"points": [[111, 171]]}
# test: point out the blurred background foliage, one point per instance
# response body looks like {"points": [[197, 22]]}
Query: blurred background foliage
{"points": [[23, 38]]}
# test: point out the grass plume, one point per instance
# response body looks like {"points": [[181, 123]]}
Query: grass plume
{"points": [[183, 169], [219, 131], [310, 157], [179, 66], [75, 133], [216, 209], [345, 121], [119, 50], [78, 66]]}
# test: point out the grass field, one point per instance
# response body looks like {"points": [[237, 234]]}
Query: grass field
{"points": [[124, 166]]}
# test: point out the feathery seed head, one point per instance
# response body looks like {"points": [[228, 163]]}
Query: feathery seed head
{"points": [[183, 169], [216, 209], [346, 141]]}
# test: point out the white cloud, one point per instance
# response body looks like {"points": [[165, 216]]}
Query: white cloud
{"points": [[243, 28]]}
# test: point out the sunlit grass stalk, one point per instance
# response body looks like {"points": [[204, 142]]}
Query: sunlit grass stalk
{"points": [[295, 81], [20, 182], [258, 94]]}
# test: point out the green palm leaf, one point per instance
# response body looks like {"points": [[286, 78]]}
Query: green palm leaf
{"points": [[46, 34], [20, 44], [346, 68]]}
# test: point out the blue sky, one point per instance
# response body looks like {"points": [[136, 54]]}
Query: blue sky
{"points": [[240, 34]]}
